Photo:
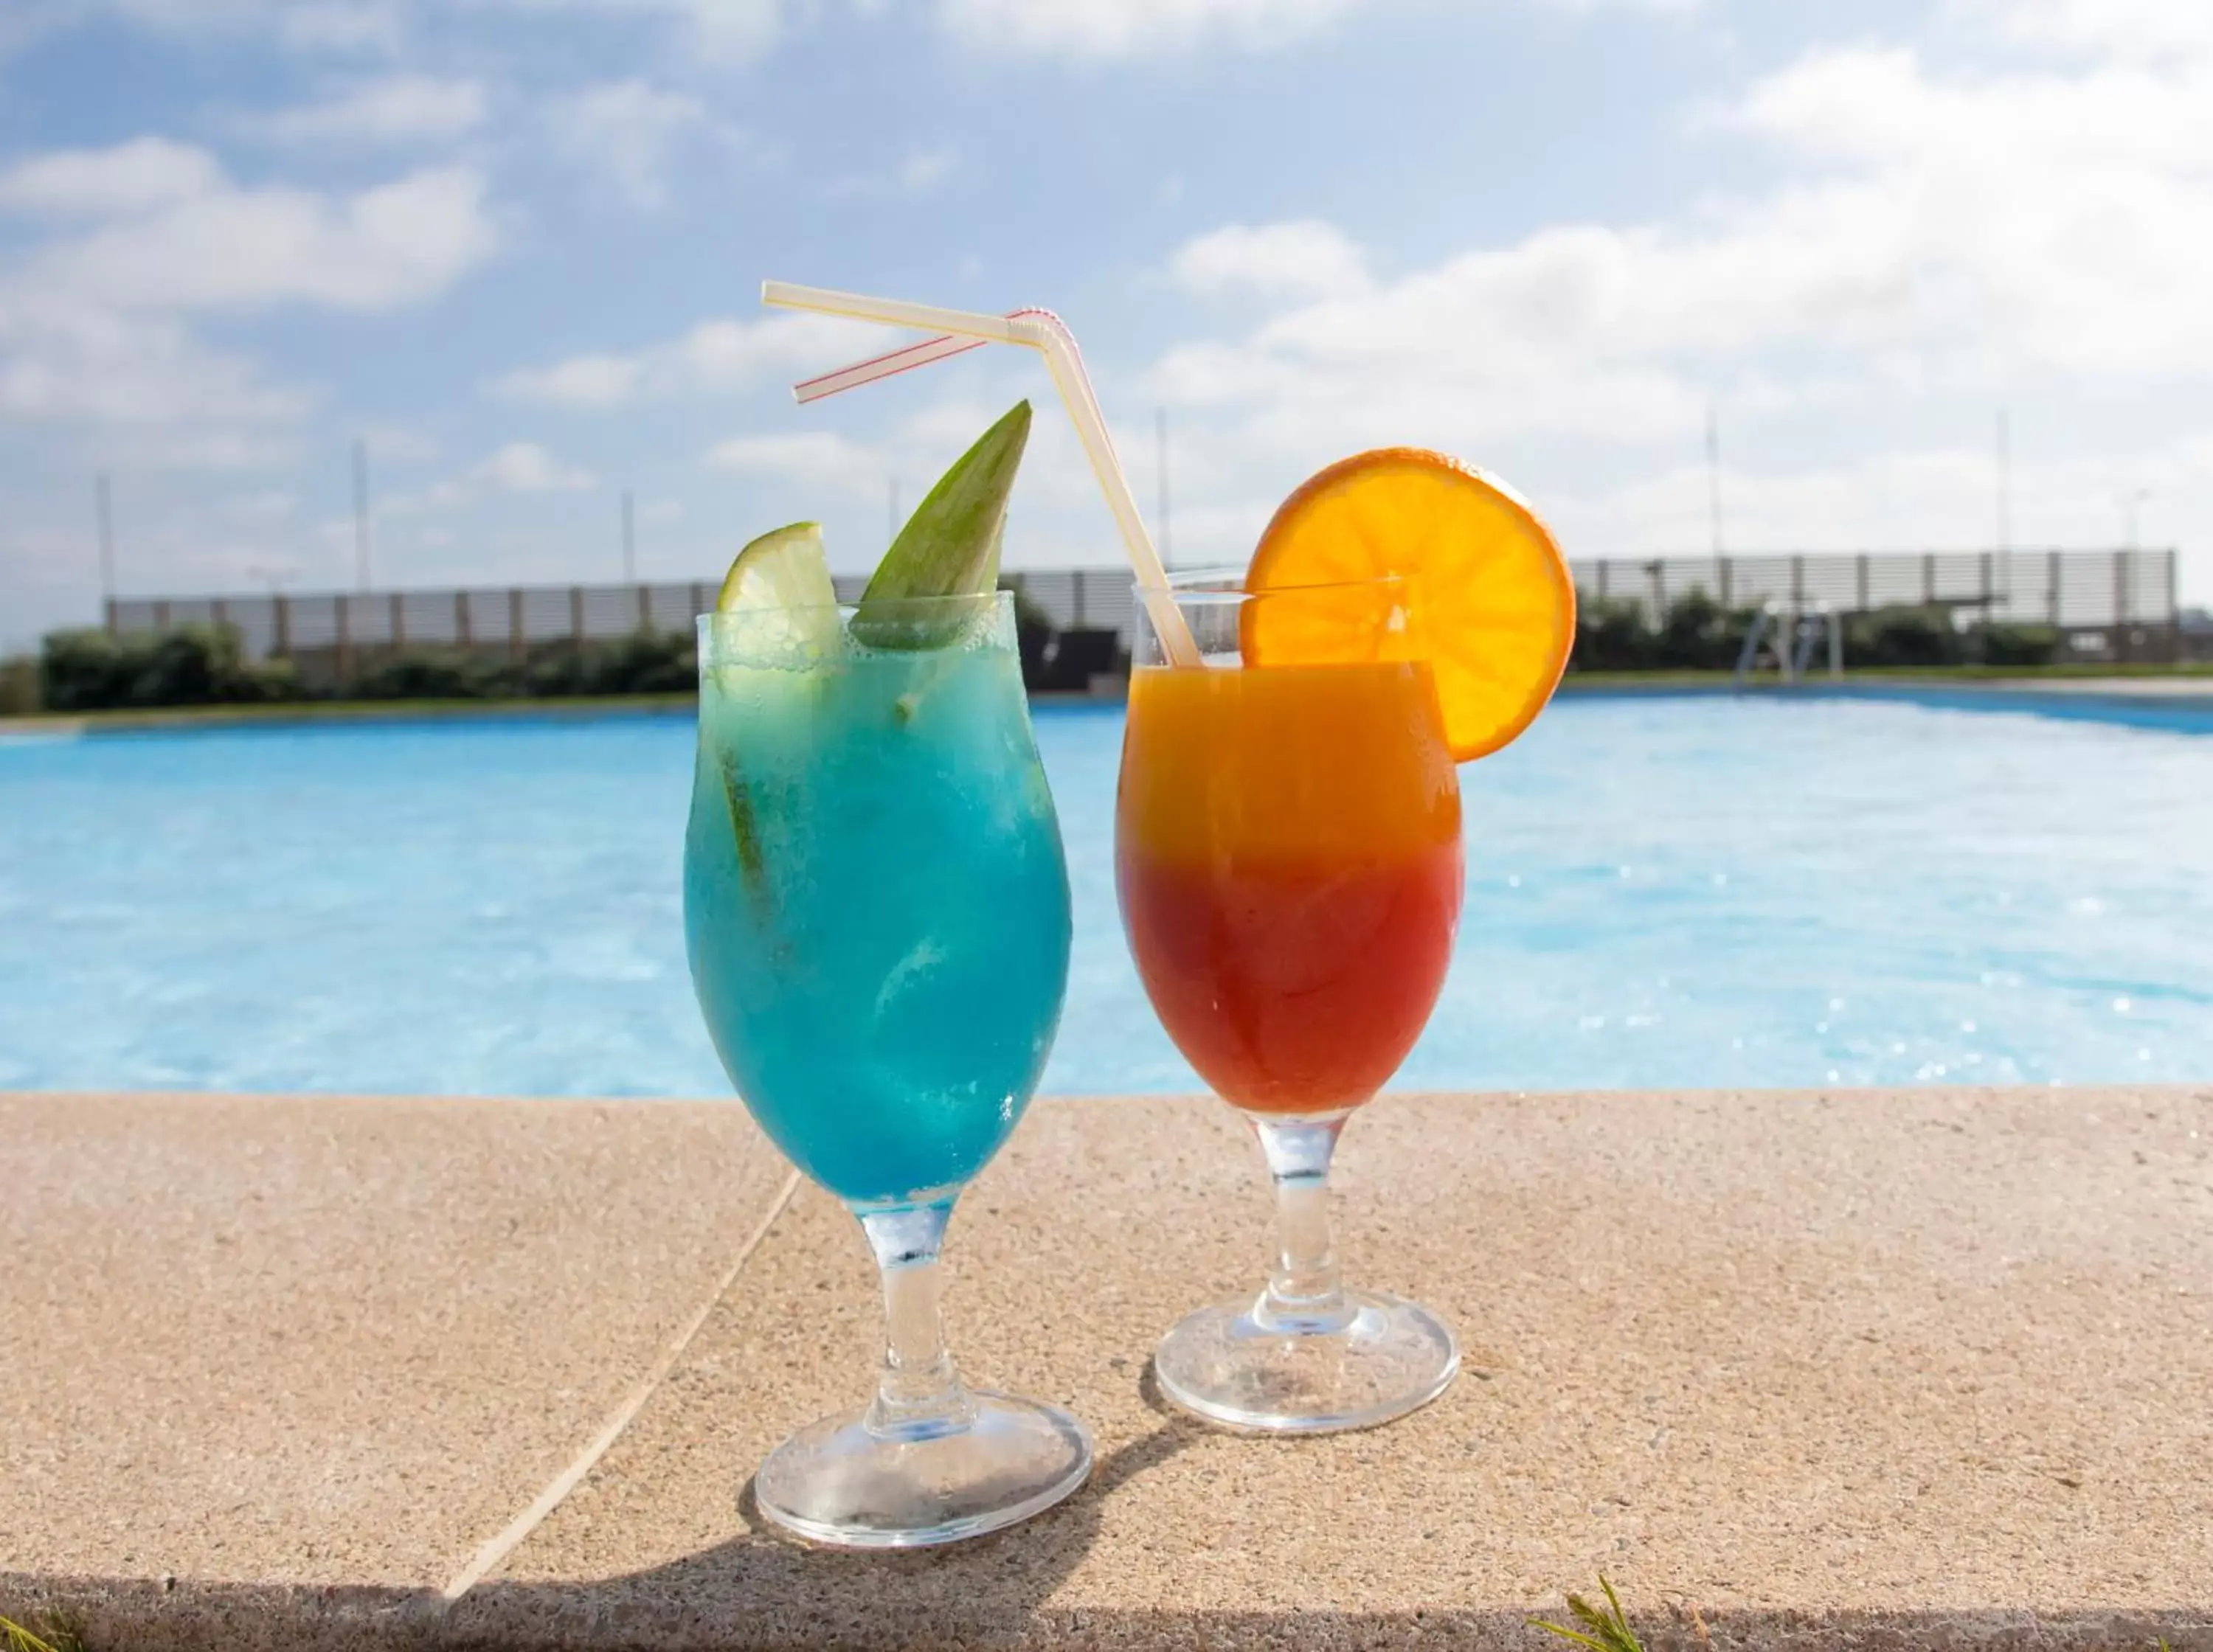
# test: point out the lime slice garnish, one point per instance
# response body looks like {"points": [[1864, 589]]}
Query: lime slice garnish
{"points": [[784, 576], [785, 567]]}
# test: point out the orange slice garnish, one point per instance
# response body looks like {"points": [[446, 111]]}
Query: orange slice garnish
{"points": [[1490, 596]]}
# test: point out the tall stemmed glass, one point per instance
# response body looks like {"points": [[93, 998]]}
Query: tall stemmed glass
{"points": [[1287, 853], [876, 909]]}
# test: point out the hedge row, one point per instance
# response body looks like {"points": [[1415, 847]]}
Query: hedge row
{"points": [[197, 665], [19, 687], [92, 671], [1696, 633]]}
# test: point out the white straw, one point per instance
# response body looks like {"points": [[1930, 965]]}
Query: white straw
{"points": [[1045, 332], [891, 312]]}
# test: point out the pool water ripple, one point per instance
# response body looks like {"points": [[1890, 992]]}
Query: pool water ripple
{"points": [[1673, 891]]}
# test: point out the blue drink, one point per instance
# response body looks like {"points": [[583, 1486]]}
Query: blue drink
{"points": [[876, 901], [876, 909]]}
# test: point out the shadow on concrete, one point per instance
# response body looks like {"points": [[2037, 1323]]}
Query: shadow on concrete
{"points": [[702, 1605], [765, 1590]]}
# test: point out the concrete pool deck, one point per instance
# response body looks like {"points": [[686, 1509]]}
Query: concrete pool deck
{"points": [[1805, 1370]]}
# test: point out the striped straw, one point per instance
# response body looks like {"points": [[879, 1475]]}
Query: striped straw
{"points": [[955, 332]]}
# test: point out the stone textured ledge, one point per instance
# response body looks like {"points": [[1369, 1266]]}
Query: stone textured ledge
{"points": [[1917, 1369]]}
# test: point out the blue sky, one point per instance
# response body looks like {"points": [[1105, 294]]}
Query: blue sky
{"points": [[516, 245]]}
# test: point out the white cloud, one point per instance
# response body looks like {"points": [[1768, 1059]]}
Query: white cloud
{"points": [[269, 505], [811, 465], [1109, 29], [514, 467], [720, 31], [1895, 498], [235, 248], [341, 26], [130, 178], [734, 31], [526, 467], [719, 355], [818, 458], [631, 131], [1304, 258], [924, 169], [62, 361], [1947, 236], [397, 109], [305, 26], [1942, 230], [93, 334], [2137, 30], [580, 381], [1128, 28]]}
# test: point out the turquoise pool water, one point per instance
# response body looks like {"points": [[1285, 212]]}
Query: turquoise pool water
{"points": [[1660, 892]]}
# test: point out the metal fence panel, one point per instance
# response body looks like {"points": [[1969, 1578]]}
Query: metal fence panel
{"points": [[2084, 590]]}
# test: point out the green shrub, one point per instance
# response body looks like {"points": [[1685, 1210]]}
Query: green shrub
{"points": [[84, 671], [88, 670], [1903, 637], [19, 687], [192, 666], [2019, 645], [1699, 634], [553, 672], [1696, 633], [1612, 635], [433, 675], [644, 662]]}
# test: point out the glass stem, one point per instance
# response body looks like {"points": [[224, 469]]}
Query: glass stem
{"points": [[918, 1396], [1304, 1295]]}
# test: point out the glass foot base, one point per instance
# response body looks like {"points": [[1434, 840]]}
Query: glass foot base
{"points": [[835, 1482], [1380, 1359]]}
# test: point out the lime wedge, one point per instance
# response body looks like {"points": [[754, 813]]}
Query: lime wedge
{"points": [[784, 576], [949, 546], [779, 586], [785, 567]]}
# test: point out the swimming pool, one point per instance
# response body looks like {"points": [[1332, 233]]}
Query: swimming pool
{"points": [[1661, 892]]}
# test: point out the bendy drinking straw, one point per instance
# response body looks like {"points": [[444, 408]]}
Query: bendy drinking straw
{"points": [[956, 331]]}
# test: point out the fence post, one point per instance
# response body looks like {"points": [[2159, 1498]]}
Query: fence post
{"points": [[515, 647], [1989, 591], [345, 637], [2051, 605], [1860, 576], [1079, 598], [645, 607], [1927, 579], [283, 626], [576, 615], [1797, 582]]}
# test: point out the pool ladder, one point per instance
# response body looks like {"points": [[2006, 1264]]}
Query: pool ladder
{"points": [[1789, 637]]}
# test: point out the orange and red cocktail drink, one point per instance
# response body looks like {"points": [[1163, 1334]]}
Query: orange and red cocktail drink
{"points": [[1288, 855]]}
